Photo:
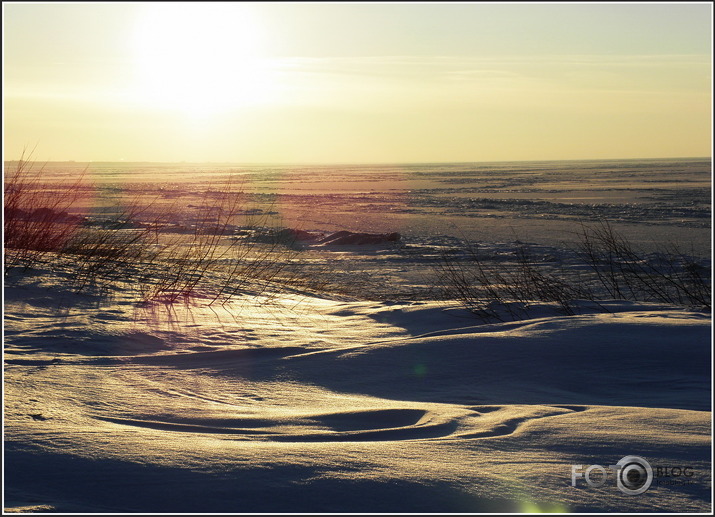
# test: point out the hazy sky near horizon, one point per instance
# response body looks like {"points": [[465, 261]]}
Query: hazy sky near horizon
{"points": [[356, 82]]}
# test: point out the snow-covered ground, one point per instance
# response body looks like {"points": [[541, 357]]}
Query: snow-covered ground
{"points": [[302, 401], [307, 404]]}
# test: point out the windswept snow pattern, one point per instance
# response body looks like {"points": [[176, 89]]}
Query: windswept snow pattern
{"points": [[413, 406]]}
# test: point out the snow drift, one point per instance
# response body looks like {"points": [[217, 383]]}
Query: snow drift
{"points": [[338, 406]]}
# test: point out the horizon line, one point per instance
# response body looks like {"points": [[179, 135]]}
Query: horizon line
{"points": [[266, 163]]}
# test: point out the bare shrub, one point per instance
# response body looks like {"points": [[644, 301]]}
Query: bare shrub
{"points": [[188, 259], [492, 288], [667, 276], [489, 288], [226, 251], [108, 252]]}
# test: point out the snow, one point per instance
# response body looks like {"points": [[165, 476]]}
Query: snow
{"points": [[311, 404]]}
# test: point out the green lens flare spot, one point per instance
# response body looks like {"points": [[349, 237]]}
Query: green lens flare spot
{"points": [[419, 370]]}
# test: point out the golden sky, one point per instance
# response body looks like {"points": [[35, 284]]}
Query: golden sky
{"points": [[356, 82]]}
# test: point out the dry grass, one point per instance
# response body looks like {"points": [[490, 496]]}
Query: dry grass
{"points": [[36, 219], [615, 269], [139, 245], [667, 276]]}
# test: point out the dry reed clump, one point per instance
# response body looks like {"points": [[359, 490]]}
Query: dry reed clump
{"points": [[48, 225], [614, 269], [138, 244], [36, 214], [489, 288], [667, 276], [211, 260]]}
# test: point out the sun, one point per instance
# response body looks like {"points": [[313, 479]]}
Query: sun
{"points": [[198, 58]]}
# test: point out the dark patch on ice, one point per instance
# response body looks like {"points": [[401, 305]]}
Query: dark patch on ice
{"points": [[301, 238], [345, 237]]}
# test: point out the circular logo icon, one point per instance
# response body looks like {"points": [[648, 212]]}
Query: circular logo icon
{"points": [[634, 476]]}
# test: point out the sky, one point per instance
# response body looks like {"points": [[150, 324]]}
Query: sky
{"points": [[402, 82]]}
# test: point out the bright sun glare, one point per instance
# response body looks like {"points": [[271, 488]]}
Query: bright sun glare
{"points": [[198, 59]]}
